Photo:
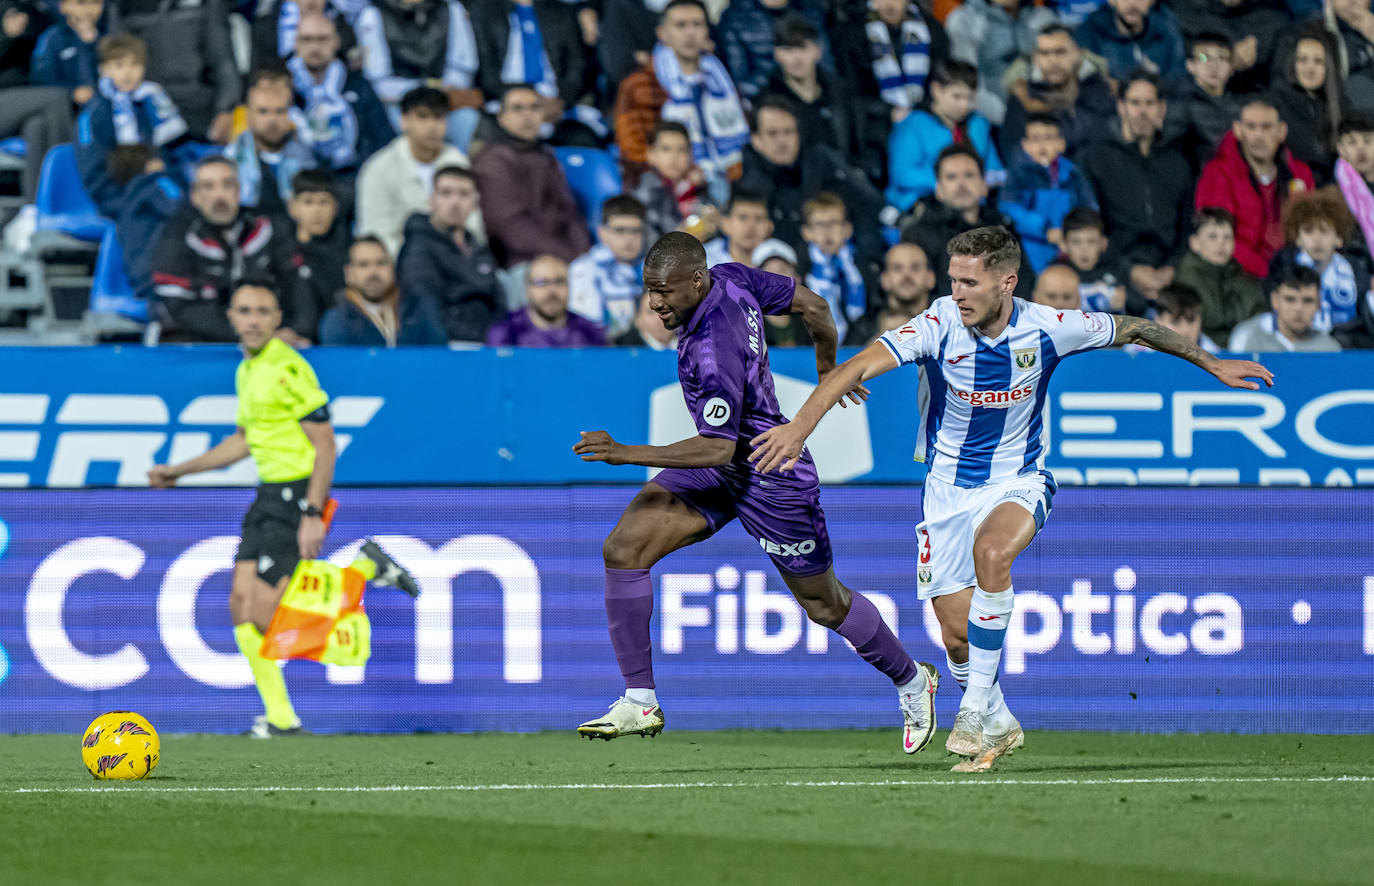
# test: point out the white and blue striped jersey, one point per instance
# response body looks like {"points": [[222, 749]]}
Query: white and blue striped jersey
{"points": [[982, 400]]}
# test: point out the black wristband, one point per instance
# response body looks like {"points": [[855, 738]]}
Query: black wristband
{"points": [[309, 510]]}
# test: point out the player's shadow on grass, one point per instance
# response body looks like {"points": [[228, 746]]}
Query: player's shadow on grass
{"points": [[1025, 764]]}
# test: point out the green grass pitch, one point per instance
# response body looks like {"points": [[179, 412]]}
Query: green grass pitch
{"points": [[735, 807]]}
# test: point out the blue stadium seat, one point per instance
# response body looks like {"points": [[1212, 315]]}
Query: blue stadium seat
{"points": [[14, 147], [111, 291], [593, 176], [63, 204]]}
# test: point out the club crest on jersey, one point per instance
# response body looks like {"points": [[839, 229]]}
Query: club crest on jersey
{"points": [[924, 576], [1024, 358]]}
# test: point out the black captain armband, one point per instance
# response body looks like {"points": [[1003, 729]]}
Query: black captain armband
{"points": [[321, 414]]}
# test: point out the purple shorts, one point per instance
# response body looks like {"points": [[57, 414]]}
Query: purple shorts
{"points": [[787, 522]]}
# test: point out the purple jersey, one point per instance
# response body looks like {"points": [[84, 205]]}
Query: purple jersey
{"points": [[722, 363], [519, 330]]}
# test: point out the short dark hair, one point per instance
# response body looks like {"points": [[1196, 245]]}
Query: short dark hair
{"points": [[795, 31], [674, 250], [117, 46], [1041, 118], [271, 73], [958, 150], [740, 195], [1207, 38], [212, 160], [370, 239], [124, 163], [1179, 301], [1083, 219], [771, 102], [1294, 276], [425, 98], [1140, 75], [663, 127], [452, 171], [256, 282], [1054, 29], [949, 71], [994, 244], [1257, 98], [314, 181], [1213, 215], [622, 205], [678, 4], [507, 88], [1360, 121]]}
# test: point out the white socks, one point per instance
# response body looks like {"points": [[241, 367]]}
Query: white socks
{"points": [[988, 617], [645, 698], [996, 716]]}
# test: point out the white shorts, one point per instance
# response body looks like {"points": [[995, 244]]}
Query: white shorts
{"points": [[944, 560]]}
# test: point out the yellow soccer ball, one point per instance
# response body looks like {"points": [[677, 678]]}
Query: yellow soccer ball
{"points": [[121, 745]]}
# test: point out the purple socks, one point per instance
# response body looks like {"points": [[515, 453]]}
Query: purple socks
{"points": [[864, 628], [629, 604]]}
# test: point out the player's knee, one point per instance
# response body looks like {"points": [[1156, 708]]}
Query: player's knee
{"points": [[992, 557], [622, 550]]}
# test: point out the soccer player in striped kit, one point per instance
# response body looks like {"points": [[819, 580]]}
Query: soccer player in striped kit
{"points": [[985, 360]]}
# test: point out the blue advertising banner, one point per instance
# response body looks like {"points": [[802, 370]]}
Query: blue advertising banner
{"points": [[103, 416], [1244, 610]]}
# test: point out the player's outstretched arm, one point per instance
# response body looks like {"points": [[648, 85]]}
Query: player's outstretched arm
{"points": [[815, 313], [232, 449], [780, 447], [694, 452], [1232, 373]]}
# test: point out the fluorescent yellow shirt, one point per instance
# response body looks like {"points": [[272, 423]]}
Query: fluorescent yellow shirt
{"points": [[276, 389]]}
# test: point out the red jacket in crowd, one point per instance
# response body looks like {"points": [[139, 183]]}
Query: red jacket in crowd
{"points": [[1228, 183]]}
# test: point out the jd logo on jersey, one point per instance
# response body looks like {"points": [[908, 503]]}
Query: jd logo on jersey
{"points": [[716, 412], [1025, 358]]}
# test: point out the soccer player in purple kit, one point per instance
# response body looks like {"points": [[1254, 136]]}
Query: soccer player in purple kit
{"points": [[708, 481]]}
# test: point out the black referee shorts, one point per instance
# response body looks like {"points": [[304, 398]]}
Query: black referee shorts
{"points": [[269, 529]]}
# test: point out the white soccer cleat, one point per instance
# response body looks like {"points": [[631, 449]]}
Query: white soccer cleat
{"points": [[625, 718], [966, 738], [993, 749], [918, 712], [263, 729]]}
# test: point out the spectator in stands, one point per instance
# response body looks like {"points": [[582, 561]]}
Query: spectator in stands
{"points": [[1143, 185], [191, 56], [834, 273], [672, 189], [1317, 226], [1043, 186], [1180, 310], [787, 172], [152, 197], [957, 206], [1253, 176], [419, 43], [1134, 34], [647, 330], [1309, 95], [1295, 299], [990, 35], [527, 205], [947, 119], [546, 321], [320, 234], [1353, 22], [276, 27], [65, 54], [343, 120], [821, 101], [782, 330], [1252, 29], [533, 42], [1058, 79], [1209, 268], [907, 281], [627, 37], [269, 152], [372, 312], [1355, 178], [443, 262], [747, 31], [605, 281], [686, 83], [1201, 109], [207, 251], [128, 110], [1057, 287], [891, 57], [42, 115], [745, 227], [395, 183], [1101, 276]]}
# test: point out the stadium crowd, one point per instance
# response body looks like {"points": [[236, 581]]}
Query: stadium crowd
{"points": [[389, 165]]}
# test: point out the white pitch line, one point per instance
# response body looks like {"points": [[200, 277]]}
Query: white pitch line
{"points": [[692, 785]]}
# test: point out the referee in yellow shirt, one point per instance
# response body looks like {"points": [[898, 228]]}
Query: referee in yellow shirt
{"points": [[283, 423]]}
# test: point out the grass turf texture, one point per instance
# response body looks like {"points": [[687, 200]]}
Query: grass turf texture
{"points": [[959, 829]]}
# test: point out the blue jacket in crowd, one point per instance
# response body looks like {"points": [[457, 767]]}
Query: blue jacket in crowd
{"points": [[60, 58], [1037, 198], [1160, 44], [95, 138], [918, 140], [417, 323], [746, 38], [149, 201]]}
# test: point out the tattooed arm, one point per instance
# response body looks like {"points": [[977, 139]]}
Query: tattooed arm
{"points": [[1232, 373]]}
